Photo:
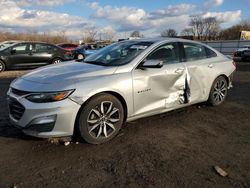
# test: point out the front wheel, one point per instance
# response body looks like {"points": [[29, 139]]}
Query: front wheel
{"points": [[2, 66], [218, 91], [100, 119]]}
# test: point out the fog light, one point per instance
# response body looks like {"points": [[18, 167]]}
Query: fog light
{"points": [[44, 120]]}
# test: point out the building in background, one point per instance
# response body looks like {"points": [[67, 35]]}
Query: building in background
{"points": [[245, 35]]}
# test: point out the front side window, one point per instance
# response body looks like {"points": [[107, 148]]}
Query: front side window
{"points": [[118, 54], [21, 48], [194, 51], [168, 53]]}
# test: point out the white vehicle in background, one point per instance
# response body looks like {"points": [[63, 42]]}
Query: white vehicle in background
{"points": [[122, 82]]}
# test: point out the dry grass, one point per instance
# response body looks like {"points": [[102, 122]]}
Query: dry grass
{"points": [[34, 36]]}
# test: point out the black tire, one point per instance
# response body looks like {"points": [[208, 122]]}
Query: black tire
{"points": [[218, 91], [2, 66], [56, 61], [94, 124]]}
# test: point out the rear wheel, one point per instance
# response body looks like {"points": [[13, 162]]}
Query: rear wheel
{"points": [[56, 61], [80, 56], [101, 119], [2, 66], [218, 91]]}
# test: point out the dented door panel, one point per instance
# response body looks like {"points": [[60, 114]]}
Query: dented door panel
{"points": [[202, 77], [162, 88]]}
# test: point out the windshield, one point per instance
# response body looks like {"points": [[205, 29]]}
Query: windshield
{"points": [[5, 45], [118, 54]]}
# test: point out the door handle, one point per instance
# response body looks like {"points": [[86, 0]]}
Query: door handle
{"points": [[210, 65], [179, 70]]}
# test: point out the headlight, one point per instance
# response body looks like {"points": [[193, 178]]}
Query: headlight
{"points": [[49, 97]]}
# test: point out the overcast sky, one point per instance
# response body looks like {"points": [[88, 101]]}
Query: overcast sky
{"points": [[148, 16]]}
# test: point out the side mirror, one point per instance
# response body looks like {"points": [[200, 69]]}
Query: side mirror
{"points": [[152, 64], [12, 51]]}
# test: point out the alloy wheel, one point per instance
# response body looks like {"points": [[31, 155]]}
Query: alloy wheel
{"points": [[80, 56], [102, 120], [56, 61], [2, 66], [220, 91]]}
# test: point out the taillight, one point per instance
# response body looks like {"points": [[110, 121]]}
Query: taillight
{"points": [[68, 52], [234, 64]]}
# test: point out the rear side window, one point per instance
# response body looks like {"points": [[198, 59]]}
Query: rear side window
{"points": [[41, 48], [210, 53], [168, 53], [194, 51]]}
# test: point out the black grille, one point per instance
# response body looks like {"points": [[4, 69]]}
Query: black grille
{"points": [[19, 92], [16, 109]]}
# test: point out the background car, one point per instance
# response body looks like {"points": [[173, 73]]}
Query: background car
{"points": [[242, 54], [31, 54], [68, 47], [86, 50]]}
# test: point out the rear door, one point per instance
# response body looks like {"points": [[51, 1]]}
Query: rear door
{"points": [[160, 88], [200, 63], [42, 53]]}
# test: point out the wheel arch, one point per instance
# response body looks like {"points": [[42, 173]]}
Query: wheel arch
{"points": [[115, 94], [3, 61], [224, 76]]}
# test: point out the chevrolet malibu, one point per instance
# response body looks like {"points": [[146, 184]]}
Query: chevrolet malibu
{"points": [[121, 82]]}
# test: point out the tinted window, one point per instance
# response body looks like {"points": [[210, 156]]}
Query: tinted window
{"points": [[167, 53], [41, 48], [22, 48], [194, 51], [210, 53]]}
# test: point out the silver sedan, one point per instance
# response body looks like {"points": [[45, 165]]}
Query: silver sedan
{"points": [[121, 82]]}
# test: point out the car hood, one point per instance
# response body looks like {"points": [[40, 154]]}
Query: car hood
{"points": [[65, 72]]}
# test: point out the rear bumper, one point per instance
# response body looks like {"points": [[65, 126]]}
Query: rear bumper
{"points": [[230, 79]]}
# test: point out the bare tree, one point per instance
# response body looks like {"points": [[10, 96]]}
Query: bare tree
{"points": [[197, 25], [204, 28], [109, 35], [135, 34], [211, 28], [90, 34], [187, 32], [169, 33]]}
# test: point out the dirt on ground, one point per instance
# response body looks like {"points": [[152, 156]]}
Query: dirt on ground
{"points": [[175, 149]]}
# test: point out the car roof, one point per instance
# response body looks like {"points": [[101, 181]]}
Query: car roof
{"points": [[163, 39]]}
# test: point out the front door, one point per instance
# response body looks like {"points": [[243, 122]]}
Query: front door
{"points": [[160, 88], [20, 54]]}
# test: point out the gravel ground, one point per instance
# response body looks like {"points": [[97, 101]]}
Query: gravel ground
{"points": [[176, 149]]}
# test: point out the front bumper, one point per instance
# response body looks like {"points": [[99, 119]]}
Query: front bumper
{"points": [[55, 119]]}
